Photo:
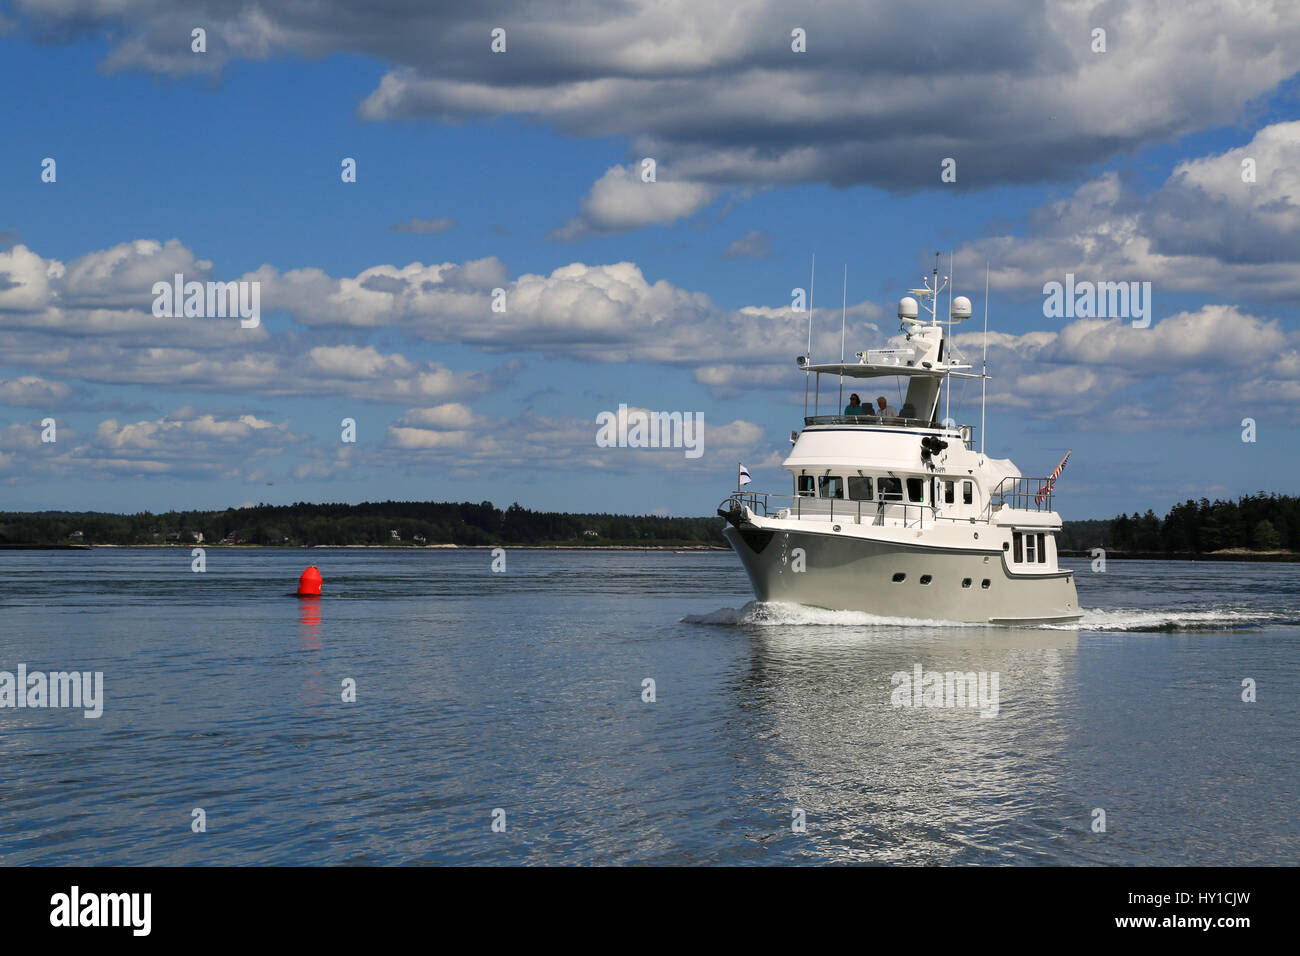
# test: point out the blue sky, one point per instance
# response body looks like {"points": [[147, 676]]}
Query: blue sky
{"points": [[226, 165]]}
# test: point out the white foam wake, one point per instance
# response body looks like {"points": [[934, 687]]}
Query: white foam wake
{"points": [[775, 614], [1174, 619]]}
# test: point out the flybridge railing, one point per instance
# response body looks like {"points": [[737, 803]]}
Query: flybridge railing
{"points": [[877, 512], [867, 420], [1026, 494], [967, 431]]}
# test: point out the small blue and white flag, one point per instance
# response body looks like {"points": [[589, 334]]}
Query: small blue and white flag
{"points": [[742, 476]]}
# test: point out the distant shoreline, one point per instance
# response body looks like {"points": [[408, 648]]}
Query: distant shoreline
{"points": [[375, 547], [44, 547], [1254, 528], [1232, 554], [1276, 557]]}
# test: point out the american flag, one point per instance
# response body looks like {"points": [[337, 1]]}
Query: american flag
{"points": [[1046, 490]]}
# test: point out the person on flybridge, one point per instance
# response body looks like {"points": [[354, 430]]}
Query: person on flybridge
{"points": [[854, 407], [886, 410]]}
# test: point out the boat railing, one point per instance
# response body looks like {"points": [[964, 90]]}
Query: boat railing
{"points": [[876, 512], [891, 420], [967, 431], [1027, 494]]}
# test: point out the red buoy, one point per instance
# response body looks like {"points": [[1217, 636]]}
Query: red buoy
{"points": [[309, 583]]}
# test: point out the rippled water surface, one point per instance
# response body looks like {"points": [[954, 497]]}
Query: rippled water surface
{"points": [[523, 691]]}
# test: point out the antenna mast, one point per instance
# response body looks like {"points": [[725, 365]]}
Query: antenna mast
{"points": [[934, 298], [812, 279], [844, 306], [984, 373], [947, 379]]}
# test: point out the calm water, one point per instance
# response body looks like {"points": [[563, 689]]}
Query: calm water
{"points": [[522, 691]]}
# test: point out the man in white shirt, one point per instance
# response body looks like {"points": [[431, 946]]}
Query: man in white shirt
{"points": [[885, 410]]}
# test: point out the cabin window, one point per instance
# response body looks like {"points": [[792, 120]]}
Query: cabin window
{"points": [[804, 486], [830, 486], [965, 582], [967, 492], [985, 584], [916, 490], [899, 577], [859, 489], [947, 487], [891, 489], [926, 578], [1031, 548]]}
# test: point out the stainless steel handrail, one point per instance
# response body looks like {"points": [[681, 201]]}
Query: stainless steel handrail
{"points": [[1016, 492], [870, 420], [965, 433], [878, 510]]}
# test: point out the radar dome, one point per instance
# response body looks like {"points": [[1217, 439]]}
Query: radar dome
{"points": [[960, 308], [907, 307]]}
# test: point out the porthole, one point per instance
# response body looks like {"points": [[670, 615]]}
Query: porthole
{"points": [[1006, 545], [965, 582], [985, 584], [899, 576], [836, 527], [926, 579]]}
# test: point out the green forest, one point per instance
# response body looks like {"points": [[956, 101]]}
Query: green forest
{"points": [[1254, 522], [393, 523]]}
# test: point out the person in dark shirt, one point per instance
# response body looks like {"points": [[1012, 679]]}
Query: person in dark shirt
{"points": [[854, 407]]}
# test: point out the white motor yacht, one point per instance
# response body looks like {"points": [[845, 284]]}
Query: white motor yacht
{"points": [[898, 514]]}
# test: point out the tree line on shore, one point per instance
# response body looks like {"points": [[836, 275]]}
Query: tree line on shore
{"points": [[1259, 522], [394, 523], [1254, 522]]}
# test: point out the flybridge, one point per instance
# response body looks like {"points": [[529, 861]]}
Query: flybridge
{"points": [[922, 362]]}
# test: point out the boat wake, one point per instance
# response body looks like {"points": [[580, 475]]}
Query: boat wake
{"points": [[776, 614], [1177, 619], [1138, 620]]}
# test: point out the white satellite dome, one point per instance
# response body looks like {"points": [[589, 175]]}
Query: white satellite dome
{"points": [[960, 308], [907, 307]]}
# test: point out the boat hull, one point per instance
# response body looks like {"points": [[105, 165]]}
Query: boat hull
{"points": [[855, 573]]}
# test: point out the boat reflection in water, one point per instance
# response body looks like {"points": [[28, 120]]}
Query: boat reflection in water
{"points": [[887, 783]]}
